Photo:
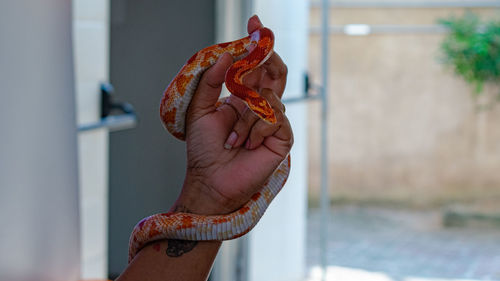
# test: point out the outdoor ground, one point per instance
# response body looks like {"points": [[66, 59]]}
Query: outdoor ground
{"points": [[384, 244]]}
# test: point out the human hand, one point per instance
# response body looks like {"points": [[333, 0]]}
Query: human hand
{"points": [[230, 151]]}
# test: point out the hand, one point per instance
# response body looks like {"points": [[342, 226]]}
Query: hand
{"points": [[230, 151]]}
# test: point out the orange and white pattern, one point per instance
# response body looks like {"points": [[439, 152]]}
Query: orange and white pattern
{"points": [[249, 52]]}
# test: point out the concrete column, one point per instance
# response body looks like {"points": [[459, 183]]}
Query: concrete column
{"points": [[275, 249], [277, 244], [38, 148]]}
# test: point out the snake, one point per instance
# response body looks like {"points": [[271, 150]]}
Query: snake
{"points": [[248, 53]]}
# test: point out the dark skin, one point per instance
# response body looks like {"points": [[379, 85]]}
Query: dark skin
{"points": [[230, 154]]}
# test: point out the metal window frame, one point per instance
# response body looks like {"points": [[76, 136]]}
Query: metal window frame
{"points": [[386, 29]]}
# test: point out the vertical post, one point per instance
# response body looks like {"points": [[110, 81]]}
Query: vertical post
{"points": [[324, 198], [38, 144], [277, 244]]}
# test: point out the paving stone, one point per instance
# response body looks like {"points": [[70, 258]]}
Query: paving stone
{"points": [[403, 244]]}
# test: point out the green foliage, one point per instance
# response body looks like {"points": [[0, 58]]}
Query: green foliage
{"points": [[472, 49]]}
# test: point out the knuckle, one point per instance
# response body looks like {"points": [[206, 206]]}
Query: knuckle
{"points": [[240, 128], [249, 117], [283, 71], [256, 137], [231, 107], [245, 123]]}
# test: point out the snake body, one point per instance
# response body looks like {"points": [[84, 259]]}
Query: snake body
{"points": [[249, 53]]}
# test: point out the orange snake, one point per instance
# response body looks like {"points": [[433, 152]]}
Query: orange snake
{"points": [[249, 52]]}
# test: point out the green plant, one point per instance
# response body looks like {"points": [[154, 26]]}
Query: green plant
{"points": [[472, 49]]}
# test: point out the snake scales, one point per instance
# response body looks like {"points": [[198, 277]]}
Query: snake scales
{"points": [[249, 53]]}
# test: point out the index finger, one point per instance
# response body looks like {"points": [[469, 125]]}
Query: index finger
{"points": [[276, 72], [275, 67], [254, 23]]}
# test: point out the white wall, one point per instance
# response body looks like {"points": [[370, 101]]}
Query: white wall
{"points": [[231, 19], [39, 237], [277, 244], [275, 249], [91, 55]]}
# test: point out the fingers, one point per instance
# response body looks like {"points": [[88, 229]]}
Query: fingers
{"points": [[251, 132], [276, 72], [253, 24], [241, 129], [262, 129], [209, 88], [273, 72], [275, 67]]}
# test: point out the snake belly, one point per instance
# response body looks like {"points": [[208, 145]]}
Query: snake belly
{"points": [[249, 53]]}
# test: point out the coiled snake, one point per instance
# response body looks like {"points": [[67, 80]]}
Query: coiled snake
{"points": [[249, 52]]}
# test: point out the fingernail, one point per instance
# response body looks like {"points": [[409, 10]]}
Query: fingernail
{"points": [[231, 140], [247, 145]]}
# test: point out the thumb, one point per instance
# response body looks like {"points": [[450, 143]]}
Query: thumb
{"points": [[209, 87]]}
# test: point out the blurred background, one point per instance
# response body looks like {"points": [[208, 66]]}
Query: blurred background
{"points": [[405, 187]]}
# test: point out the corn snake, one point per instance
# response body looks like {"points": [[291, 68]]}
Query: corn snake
{"points": [[249, 53]]}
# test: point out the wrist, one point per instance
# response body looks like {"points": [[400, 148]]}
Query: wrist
{"points": [[199, 198]]}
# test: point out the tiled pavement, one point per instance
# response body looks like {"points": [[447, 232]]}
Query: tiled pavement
{"points": [[367, 243]]}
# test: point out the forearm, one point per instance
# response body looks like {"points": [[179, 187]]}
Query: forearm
{"points": [[177, 259], [173, 260], [223, 174]]}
